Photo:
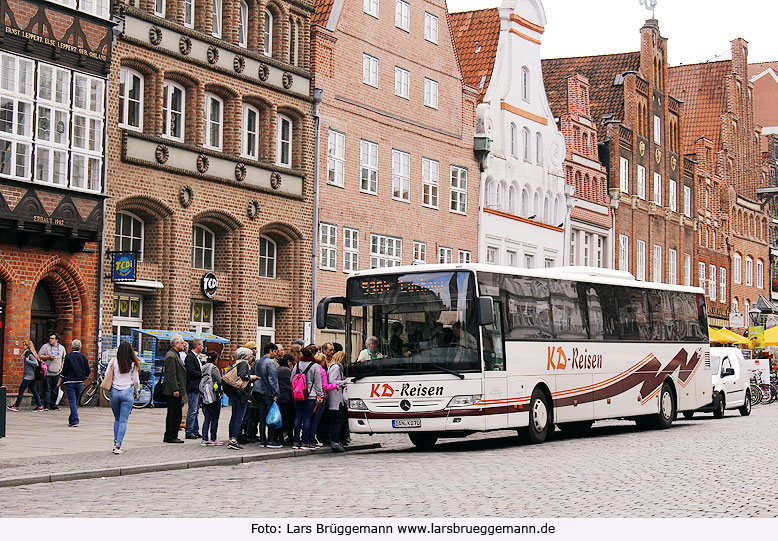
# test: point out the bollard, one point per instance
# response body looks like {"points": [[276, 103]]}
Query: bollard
{"points": [[3, 394]]}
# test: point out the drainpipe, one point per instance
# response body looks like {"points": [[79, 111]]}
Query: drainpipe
{"points": [[317, 95]]}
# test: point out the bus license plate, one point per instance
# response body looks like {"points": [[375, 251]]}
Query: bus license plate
{"points": [[406, 423]]}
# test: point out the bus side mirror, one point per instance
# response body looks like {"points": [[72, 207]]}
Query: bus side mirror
{"points": [[485, 310], [322, 309]]}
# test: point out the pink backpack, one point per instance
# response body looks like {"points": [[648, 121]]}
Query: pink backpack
{"points": [[300, 385]]}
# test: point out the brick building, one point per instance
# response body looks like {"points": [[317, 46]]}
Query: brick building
{"points": [[399, 180], [721, 137], [210, 145], [525, 201], [638, 134], [54, 62], [591, 218]]}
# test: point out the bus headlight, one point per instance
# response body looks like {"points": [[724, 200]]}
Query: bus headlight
{"points": [[464, 400], [356, 404]]}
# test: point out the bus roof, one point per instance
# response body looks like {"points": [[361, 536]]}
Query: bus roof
{"points": [[579, 274]]}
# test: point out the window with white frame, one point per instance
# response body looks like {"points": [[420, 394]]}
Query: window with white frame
{"points": [[266, 330], [401, 175], [624, 176], [445, 255], [202, 317], [672, 266], [336, 158], [587, 249], [430, 171], [623, 253], [267, 33], [458, 190], [100, 8], [687, 201], [328, 246], [250, 132], [514, 140], [538, 148], [214, 121], [284, 141], [641, 182], [464, 256], [759, 274], [749, 271], [701, 271], [128, 233], [493, 193], [267, 257], [573, 247], [159, 8], [370, 7], [173, 100], [370, 70], [419, 252], [658, 189], [385, 251], [189, 13], [599, 253], [712, 285], [16, 114], [350, 249], [657, 130], [640, 248], [527, 144], [430, 93], [737, 268], [130, 99], [127, 314], [368, 161], [430, 27], [687, 269], [529, 261], [202, 247], [657, 263], [216, 28], [402, 79], [722, 284], [243, 26], [402, 15], [52, 126], [87, 137], [492, 255], [512, 257], [525, 83], [673, 195]]}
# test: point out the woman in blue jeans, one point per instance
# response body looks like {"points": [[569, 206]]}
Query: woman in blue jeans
{"points": [[240, 399], [31, 362], [124, 389]]}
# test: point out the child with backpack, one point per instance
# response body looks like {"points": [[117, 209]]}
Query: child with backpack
{"points": [[307, 392], [34, 369]]}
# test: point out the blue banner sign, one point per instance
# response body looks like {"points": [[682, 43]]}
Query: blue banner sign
{"points": [[124, 265]]}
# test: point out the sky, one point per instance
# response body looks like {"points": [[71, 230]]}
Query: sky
{"points": [[697, 30]]}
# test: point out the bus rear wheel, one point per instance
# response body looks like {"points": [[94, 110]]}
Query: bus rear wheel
{"points": [[541, 420], [423, 440]]}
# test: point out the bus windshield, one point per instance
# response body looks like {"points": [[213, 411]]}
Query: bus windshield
{"points": [[415, 323]]}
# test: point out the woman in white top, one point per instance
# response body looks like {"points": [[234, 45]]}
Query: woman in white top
{"points": [[126, 385]]}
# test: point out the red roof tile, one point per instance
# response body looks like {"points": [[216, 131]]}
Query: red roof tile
{"points": [[701, 89], [590, 216], [605, 97], [321, 13], [476, 35]]}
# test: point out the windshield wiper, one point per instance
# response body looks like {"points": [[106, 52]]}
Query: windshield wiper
{"points": [[448, 370]]}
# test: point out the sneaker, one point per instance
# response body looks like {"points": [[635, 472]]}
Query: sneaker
{"points": [[338, 448], [296, 445], [74, 425], [39, 408], [54, 408], [192, 437], [117, 451], [274, 445], [12, 408], [234, 445], [308, 447], [205, 442], [216, 442], [319, 444]]}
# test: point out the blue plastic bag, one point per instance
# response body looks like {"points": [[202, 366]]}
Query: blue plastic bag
{"points": [[274, 416]]}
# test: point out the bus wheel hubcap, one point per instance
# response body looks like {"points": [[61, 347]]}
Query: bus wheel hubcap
{"points": [[539, 415], [667, 405]]}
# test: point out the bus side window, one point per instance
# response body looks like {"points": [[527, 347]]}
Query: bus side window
{"points": [[494, 352]]}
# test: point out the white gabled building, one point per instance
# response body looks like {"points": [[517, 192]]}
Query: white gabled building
{"points": [[525, 203]]}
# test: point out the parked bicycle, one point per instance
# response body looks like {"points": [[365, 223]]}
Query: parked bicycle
{"points": [[90, 391]]}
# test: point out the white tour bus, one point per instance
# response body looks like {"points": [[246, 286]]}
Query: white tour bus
{"points": [[454, 349]]}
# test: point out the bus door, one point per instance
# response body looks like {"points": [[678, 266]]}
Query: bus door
{"points": [[495, 387]]}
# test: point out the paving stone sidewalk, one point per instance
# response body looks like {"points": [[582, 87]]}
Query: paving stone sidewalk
{"points": [[41, 444]]}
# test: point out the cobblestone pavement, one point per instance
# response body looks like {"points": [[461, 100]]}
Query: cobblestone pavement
{"points": [[698, 468]]}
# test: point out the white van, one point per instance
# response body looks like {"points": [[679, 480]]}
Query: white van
{"points": [[730, 383]]}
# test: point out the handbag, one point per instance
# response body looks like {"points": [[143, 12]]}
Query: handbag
{"points": [[232, 379], [158, 395], [108, 378]]}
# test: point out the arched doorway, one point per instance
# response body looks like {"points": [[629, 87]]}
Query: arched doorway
{"points": [[43, 317]]}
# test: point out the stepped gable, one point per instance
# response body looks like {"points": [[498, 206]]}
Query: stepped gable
{"points": [[701, 89], [476, 35], [605, 97]]}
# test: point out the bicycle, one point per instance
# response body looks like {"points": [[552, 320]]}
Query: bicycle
{"points": [[143, 398], [756, 392], [90, 391]]}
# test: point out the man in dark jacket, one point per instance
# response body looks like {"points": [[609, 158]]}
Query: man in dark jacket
{"points": [[174, 388], [266, 392], [75, 370], [193, 375]]}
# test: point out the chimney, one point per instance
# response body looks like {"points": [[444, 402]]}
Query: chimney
{"points": [[740, 57]]}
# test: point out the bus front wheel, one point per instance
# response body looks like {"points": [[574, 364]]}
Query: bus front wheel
{"points": [[667, 408], [423, 440], [541, 420]]}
